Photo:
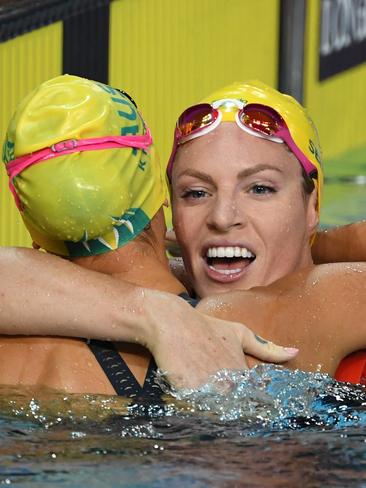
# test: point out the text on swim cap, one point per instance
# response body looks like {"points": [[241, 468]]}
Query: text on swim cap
{"points": [[314, 150], [131, 115]]}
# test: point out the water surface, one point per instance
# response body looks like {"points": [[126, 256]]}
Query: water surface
{"points": [[267, 427]]}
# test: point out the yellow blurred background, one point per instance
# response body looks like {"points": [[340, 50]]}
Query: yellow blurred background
{"points": [[169, 54]]}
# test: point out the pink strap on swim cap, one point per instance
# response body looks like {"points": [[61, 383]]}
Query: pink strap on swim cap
{"points": [[69, 146]]}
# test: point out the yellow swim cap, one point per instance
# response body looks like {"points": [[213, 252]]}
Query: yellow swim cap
{"points": [[300, 133], [301, 126], [97, 183]]}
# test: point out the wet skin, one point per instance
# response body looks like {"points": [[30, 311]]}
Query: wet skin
{"points": [[235, 191]]}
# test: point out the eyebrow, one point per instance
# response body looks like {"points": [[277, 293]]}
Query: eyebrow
{"points": [[242, 174], [257, 169], [196, 174]]}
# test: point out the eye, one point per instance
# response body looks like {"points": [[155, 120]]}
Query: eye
{"points": [[262, 189], [194, 194]]}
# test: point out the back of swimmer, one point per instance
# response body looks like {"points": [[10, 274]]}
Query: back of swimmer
{"points": [[88, 184]]}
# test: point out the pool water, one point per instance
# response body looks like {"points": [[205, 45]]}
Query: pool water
{"points": [[344, 200], [265, 428], [345, 189]]}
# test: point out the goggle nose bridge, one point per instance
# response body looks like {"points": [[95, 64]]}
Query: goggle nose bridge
{"points": [[228, 102]]}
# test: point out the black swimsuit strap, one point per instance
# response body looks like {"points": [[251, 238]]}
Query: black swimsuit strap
{"points": [[120, 375], [192, 301]]}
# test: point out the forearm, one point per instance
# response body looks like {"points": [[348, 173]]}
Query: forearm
{"points": [[45, 295], [342, 244]]}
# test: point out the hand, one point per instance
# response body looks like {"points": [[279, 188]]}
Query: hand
{"points": [[190, 346]]}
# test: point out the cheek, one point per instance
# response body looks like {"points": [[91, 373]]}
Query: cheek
{"points": [[185, 234], [183, 225], [177, 215], [186, 217], [287, 225]]}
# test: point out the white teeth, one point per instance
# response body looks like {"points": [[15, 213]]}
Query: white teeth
{"points": [[221, 252], [226, 271], [229, 252], [237, 252], [246, 254]]}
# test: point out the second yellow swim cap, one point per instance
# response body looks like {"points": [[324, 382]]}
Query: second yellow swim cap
{"points": [[81, 201]]}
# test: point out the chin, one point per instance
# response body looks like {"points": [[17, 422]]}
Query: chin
{"points": [[219, 288]]}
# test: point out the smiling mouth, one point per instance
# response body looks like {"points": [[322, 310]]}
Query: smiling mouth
{"points": [[228, 261]]}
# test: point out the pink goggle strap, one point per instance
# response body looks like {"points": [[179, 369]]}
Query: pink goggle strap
{"points": [[285, 135], [69, 146]]}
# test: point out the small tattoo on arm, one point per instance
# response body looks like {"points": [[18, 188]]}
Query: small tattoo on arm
{"points": [[259, 339]]}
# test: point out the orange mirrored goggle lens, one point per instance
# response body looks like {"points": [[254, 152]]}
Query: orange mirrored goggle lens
{"points": [[260, 121], [195, 118]]}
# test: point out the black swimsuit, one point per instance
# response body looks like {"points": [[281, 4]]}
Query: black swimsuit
{"points": [[119, 374]]}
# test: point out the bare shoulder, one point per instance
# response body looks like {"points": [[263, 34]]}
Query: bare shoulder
{"points": [[324, 283], [320, 309]]}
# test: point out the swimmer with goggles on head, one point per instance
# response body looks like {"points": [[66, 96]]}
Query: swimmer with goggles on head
{"points": [[238, 188]]}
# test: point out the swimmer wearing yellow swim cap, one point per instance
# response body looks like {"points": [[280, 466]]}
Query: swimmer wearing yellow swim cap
{"points": [[261, 111]]}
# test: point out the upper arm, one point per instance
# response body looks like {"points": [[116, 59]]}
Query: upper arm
{"points": [[334, 245]]}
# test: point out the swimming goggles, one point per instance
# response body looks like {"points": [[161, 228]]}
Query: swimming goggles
{"points": [[256, 119], [70, 146]]}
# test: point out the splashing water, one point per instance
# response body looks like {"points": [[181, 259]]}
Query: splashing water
{"points": [[274, 397], [269, 426], [267, 396]]}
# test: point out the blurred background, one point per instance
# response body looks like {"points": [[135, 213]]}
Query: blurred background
{"points": [[169, 54]]}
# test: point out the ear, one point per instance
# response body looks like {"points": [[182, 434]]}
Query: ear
{"points": [[312, 214]]}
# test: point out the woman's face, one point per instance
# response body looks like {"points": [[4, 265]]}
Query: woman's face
{"points": [[239, 211]]}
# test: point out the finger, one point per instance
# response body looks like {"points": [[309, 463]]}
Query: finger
{"points": [[265, 350]]}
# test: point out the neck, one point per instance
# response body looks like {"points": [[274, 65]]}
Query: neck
{"points": [[140, 263]]}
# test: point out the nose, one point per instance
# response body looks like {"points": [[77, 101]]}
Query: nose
{"points": [[226, 213]]}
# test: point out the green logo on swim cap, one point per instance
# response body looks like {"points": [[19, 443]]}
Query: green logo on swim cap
{"points": [[124, 228], [8, 151]]}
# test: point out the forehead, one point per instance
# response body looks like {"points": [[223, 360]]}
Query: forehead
{"points": [[230, 148]]}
